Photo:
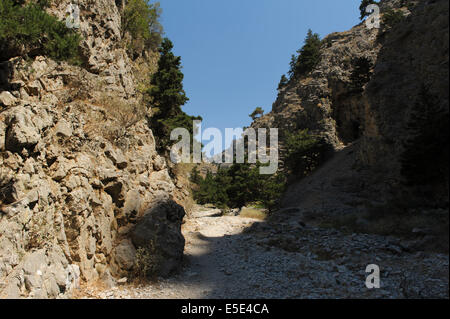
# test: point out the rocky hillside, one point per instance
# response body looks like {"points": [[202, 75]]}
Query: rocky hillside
{"points": [[404, 57], [78, 165]]}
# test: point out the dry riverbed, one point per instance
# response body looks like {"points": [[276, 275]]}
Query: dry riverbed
{"points": [[235, 257]]}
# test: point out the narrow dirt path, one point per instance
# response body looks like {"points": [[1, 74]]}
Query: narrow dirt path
{"points": [[234, 257]]}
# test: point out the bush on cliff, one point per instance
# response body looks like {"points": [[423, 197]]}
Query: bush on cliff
{"points": [[140, 19], [307, 57], [305, 152], [361, 74], [258, 112], [29, 30], [392, 17]]}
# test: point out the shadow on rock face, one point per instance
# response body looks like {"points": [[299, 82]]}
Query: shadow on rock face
{"points": [[159, 231]]}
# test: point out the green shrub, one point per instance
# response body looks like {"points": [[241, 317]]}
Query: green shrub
{"points": [[257, 113], [242, 184], [392, 17], [305, 152], [141, 20], [239, 185], [146, 265], [272, 188], [212, 189], [29, 29], [195, 177], [361, 73]]}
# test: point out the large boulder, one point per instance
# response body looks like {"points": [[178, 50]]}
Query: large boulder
{"points": [[125, 255], [160, 232], [7, 99], [22, 132]]}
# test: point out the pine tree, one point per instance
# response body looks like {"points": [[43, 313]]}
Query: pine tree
{"points": [[292, 66], [168, 96], [305, 152], [195, 178], [271, 189], [308, 56], [425, 157], [283, 82], [167, 91]]}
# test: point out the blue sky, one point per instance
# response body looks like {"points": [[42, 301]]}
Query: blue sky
{"points": [[235, 51]]}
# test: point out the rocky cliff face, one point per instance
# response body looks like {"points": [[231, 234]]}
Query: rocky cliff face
{"points": [[412, 53], [78, 165]]}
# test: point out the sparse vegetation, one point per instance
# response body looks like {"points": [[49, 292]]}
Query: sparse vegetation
{"points": [[26, 29], [39, 231], [361, 73], [392, 17], [398, 217], [140, 19], [258, 112], [253, 212], [195, 178], [305, 152], [145, 263], [113, 117], [238, 186]]}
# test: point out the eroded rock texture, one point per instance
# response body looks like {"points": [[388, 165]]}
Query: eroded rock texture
{"points": [[374, 118], [78, 165]]}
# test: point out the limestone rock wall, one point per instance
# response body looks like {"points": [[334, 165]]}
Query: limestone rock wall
{"points": [[78, 165], [412, 53]]}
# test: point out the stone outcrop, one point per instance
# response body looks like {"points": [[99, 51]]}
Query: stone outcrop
{"points": [[78, 165], [160, 231], [412, 53]]}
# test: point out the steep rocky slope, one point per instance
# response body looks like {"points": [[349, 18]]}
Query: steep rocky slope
{"points": [[78, 165], [412, 53], [295, 253]]}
